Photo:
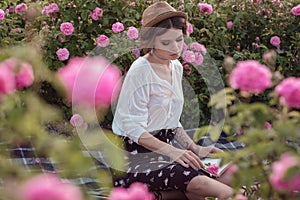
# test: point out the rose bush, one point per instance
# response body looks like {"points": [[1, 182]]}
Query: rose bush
{"points": [[223, 35]]}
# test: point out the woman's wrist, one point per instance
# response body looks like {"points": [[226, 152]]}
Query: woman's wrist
{"points": [[195, 148]]}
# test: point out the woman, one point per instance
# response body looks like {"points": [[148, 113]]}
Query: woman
{"points": [[148, 112]]}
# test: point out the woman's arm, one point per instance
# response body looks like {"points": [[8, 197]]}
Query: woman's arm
{"points": [[184, 157], [187, 143]]}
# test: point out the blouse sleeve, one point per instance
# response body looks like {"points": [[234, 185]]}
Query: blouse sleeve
{"points": [[132, 105]]}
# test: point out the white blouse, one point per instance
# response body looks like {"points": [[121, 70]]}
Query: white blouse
{"points": [[148, 103]]}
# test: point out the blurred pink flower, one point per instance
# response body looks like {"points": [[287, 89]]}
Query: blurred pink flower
{"points": [[229, 24], [198, 59], [213, 169], [119, 193], [24, 76], [67, 28], [103, 41], [268, 125], [63, 54], [136, 191], [59, 38], [2, 14], [76, 120], [296, 10], [190, 28], [289, 91], [188, 56], [52, 8], [240, 197], [90, 81], [195, 46], [7, 80], [97, 12], [275, 41], [251, 76], [205, 8], [232, 169], [132, 33], [136, 52], [117, 27], [21, 8], [279, 179], [132, 3], [48, 186]]}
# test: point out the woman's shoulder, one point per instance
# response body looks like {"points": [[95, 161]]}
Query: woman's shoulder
{"points": [[139, 69]]}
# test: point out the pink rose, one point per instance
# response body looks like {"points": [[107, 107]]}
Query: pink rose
{"points": [[190, 28], [90, 81], [279, 178], [117, 27], [97, 12], [296, 10], [76, 120], [48, 186], [136, 191], [213, 169], [7, 80], [245, 77], [188, 56], [198, 59], [275, 41], [63, 54], [24, 77], [52, 8], [103, 41], [289, 91], [198, 47], [136, 52], [132, 33], [67, 28], [205, 8], [229, 24], [2, 14], [21, 8]]}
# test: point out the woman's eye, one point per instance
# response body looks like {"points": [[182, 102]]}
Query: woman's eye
{"points": [[179, 40], [165, 43]]}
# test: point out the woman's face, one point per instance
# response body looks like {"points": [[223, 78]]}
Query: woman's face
{"points": [[169, 45]]}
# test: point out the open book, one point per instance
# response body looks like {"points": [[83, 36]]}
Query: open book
{"points": [[219, 168]]}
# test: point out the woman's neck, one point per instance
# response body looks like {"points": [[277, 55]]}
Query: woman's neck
{"points": [[157, 59]]}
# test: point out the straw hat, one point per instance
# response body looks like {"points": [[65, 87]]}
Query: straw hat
{"points": [[160, 11]]}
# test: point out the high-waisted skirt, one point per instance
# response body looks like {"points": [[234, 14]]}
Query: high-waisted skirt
{"points": [[158, 172]]}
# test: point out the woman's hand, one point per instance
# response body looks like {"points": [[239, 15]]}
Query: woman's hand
{"points": [[205, 151], [186, 158]]}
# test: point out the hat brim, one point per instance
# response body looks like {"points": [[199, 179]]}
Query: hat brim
{"points": [[166, 16]]}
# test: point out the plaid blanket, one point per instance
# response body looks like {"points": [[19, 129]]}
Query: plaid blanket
{"points": [[28, 157]]}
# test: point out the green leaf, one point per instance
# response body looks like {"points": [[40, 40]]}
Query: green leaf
{"points": [[291, 172]]}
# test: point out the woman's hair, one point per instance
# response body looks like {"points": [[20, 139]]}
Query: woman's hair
{"points": [[148, 34]]}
